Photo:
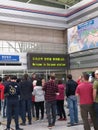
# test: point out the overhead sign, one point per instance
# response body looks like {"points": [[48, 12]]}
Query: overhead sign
{"points": [[9, 58], [47, 61]]}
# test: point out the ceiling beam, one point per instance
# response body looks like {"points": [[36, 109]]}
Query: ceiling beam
{"points": [[58, 2], [28, 1]]}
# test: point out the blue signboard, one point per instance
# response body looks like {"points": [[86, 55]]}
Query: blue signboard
{"points": [[86, 24], [9, 58]]}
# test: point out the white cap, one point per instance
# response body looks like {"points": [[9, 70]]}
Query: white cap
{"points": [[34, 82], [96, 72]]}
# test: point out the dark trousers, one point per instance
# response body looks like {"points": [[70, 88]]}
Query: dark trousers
{"points": [[0, 104], [26, 108], [39, 106], [51, 107], [12, 106], [60, 105], [33, 108], [20, 108], [85, 110], [96, 111]]}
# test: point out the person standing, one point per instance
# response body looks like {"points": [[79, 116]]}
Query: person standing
{"points": [[85, 92], [95, 94], [26, 89], [34, 77], [12, 93], [33, 100], [51, 90], [60, 100], [2, 96], [33, 80], [79, 81], [39, 99], [5, 83], [71, 86]]}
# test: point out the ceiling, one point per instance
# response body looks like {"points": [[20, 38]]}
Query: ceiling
{"points": [[52, 3]]}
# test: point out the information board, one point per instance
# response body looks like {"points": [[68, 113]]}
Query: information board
{"points": [[47, 61]]}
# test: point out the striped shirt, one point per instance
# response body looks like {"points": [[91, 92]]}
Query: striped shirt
{"points": [[50, 89]]}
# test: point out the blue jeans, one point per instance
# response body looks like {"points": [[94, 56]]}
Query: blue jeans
{"points": [[73, 109], [26, 108], [4, 108], [51, 107]]}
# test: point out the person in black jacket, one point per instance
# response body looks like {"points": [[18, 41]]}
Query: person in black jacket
{"points": [[72, 100], [12, 93], [26, 89]]}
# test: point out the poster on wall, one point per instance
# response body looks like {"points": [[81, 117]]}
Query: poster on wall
{"points": [[83, 36]]}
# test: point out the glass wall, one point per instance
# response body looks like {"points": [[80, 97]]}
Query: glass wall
{"points": [[36, 47], [15, 47], [84, 59]]}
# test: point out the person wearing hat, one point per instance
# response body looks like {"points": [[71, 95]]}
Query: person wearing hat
{"points": [[12, 93], [95, 94]]}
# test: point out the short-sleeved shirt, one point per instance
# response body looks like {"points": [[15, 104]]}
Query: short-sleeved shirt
{"points": [[85, 92], [95, 86]]}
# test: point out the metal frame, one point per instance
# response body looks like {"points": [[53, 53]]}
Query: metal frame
{"points": [[66, 3]]}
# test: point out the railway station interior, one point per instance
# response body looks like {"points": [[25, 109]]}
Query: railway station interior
{"points": [[48, 36]]}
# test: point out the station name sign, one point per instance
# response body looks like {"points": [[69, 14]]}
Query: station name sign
{"points": [[46, 61], [9, 58]]}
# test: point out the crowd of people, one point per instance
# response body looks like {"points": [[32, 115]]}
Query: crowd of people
{"points": [[26, 97]]}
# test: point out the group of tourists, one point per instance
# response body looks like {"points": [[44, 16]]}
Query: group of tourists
{"points": [[26, 97]]}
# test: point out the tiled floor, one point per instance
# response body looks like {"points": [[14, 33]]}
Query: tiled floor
{"points": [[42, 125]]}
